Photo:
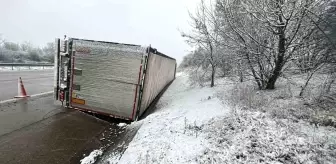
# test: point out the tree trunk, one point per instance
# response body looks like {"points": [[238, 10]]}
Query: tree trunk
{"points": [[276, 73], [240, 72], [331, 80], [278, 65], [212, 66], [281, 53], [256, 78], [241, 77], [303, 88], [212, 76]]}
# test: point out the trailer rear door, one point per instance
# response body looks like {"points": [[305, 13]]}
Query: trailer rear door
{"points": [[105, 77]]}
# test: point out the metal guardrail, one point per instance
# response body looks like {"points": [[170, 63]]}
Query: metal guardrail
{"points": [[27, 64]]}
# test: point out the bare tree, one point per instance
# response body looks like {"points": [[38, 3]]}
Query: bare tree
{"points": [[2, 41], [267, 34], [11, 46], [22, 52], [26, 46], [49, 51], [2, 54], [319, 49], [205, 34]]}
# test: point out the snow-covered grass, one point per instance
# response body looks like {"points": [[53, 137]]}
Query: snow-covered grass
{"points": [[254, 137], [273, 126], [284, 101], [226, 124], [91, 158]]}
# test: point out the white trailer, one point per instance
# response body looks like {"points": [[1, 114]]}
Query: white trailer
{"points": [[114, 79]]}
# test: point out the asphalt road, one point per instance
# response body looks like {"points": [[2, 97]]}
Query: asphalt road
{"points": [[24, 112], [35, 82], [62, 138], [38, 131]]}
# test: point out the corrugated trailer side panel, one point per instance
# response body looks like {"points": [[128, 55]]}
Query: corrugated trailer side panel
{"points": [[105, 77], [160, 72]]}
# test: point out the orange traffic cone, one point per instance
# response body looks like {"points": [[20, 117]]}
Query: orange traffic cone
{"points": [[21, 90]]}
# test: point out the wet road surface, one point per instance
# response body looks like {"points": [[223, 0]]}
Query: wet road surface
{"points": [[62, 138], [35, 82], [19, 114], [38, 131]]}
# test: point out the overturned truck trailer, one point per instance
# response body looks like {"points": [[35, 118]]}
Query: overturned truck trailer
{"points": [[114, 79]]}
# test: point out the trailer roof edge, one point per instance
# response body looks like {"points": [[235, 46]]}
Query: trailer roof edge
{"points": [[105, 42], [155, 51]]}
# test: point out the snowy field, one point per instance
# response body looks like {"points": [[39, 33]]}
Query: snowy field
{"points": [[200, 125], [23, 68]]}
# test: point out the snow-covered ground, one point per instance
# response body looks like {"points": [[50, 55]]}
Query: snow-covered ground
{"points": [[173, 134], [91, 158], [196, 125]]}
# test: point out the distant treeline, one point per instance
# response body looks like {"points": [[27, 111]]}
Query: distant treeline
{"points": [[25, 52]]}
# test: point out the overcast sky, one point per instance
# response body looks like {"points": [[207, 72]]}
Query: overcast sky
{"points": [[144, 22]]}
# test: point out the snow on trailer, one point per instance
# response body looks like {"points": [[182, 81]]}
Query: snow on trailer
{"points": [[114, 79]]}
